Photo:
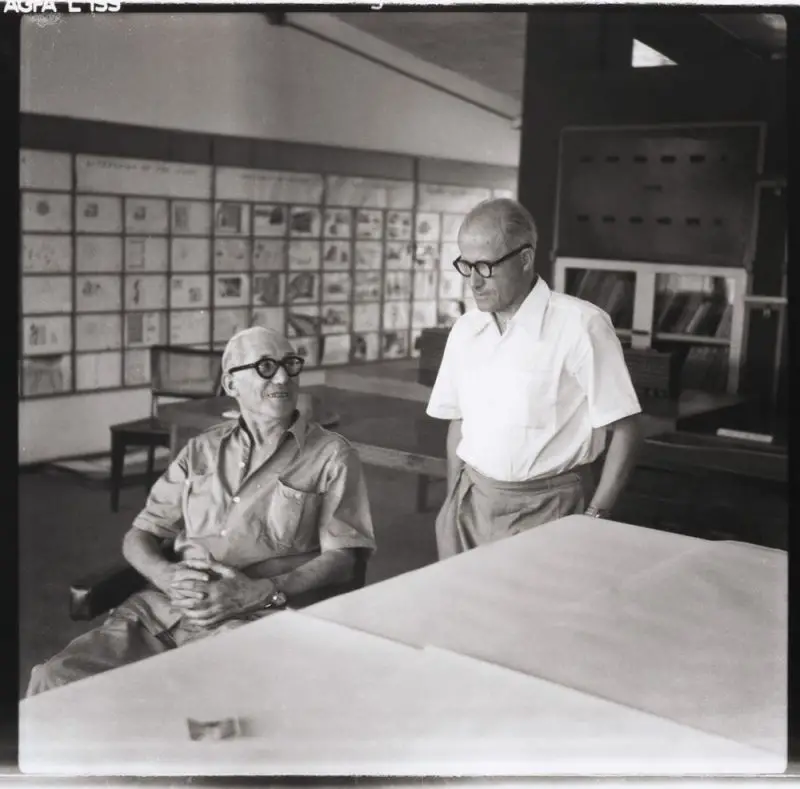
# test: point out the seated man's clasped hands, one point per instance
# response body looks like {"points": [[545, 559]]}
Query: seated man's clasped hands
{"points": [[258, 511]]}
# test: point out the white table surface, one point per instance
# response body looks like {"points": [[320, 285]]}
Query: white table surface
{"points": [[318, 698], [566, 650], [690, 630]]}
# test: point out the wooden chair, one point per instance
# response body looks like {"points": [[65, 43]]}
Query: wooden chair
{"points": [[174, 372], [99, 592]]}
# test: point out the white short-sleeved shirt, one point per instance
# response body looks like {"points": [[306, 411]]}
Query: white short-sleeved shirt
{"points": [[536, 400]]}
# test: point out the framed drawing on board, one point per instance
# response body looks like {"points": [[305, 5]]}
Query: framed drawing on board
{"points": [[336, 286], [366, 317], [302, 288], [231, 254], [335, 349], [191, 218], [98, 293], [191, 254], [365, 347], [338, 223], [396, 315], [98, 370], [335, 318], [98, 332], [336, 255], [231, 290], [47, 335], [397, 286], [302, 321], [269, 255], [398, 225], [48, 254], [99, 254], [189, 327], [146, 292], [43, 294], [304, 222], [47, 211], [147, 216], [369, 224], [146, 253], [367, 286], [423, 314], [368, 255], [231, 219], [424, 285], [96, 214], [190, 291], [46, 375], [394, 345], [270, 220], [304, 255], [427, 227], [145, 329], [136, 367], [399, 255], [269, 289]]}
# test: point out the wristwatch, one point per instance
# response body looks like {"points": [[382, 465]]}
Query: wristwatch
{"points": [[593, 512], [276, 600]]}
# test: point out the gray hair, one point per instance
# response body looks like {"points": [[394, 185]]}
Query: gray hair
{"points": [[231, 354], [511, 219]]}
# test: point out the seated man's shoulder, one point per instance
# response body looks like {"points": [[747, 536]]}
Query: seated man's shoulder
{"points": [[327, 443]]}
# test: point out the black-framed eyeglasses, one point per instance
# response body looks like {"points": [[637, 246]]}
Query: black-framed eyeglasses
{"points": [[266, 366], [486, 267]]}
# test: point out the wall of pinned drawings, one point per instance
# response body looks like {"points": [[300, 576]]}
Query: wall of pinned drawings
{"points": [[121, 253]]}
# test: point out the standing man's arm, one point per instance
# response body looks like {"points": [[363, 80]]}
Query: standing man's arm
{"points": [[454, 462], [598, 364], [619, 463], [444, 403]]}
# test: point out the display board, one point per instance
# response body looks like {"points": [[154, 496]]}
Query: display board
{"points": [[120, 253]]}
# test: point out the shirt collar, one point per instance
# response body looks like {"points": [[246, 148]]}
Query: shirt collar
{"points": [[530, 314], [298, 429]]}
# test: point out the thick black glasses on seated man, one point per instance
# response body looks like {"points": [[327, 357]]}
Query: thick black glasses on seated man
{"points": [[260, 510]]}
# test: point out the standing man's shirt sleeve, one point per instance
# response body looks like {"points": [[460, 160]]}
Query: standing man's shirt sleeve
{"points": [[163, 510], [598, 364], [344, 515], [443, 402]]}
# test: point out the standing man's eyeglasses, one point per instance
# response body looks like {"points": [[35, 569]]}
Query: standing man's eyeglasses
{"points": [[486, 267], [266, 366]]}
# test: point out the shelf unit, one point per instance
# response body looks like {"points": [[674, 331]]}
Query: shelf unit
{"points": [[669, 306]]}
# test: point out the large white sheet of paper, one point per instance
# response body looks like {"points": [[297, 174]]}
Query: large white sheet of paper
{"points": [[689, 630], [332, 700]]}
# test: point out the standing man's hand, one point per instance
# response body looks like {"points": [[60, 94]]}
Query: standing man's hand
{"points": [[228, 592]]}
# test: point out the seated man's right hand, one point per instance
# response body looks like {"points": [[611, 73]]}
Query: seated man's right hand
{"points": [[186, 583]]}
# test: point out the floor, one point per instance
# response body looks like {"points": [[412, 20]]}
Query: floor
{"points": [[67, 530]]}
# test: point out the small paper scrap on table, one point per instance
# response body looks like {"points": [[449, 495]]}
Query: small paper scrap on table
{"points": [[214, 730]]}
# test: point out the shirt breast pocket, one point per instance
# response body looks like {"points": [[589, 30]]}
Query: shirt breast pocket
{"points": [[528, 399], [292, 517]]}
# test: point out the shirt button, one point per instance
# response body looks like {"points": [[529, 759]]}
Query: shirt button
{"points": [[236, 499], [223, 532], [242, 464]]}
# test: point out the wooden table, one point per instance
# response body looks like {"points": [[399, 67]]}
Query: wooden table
{"points": [[581, 646]]}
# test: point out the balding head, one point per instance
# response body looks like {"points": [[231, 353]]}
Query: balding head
{"points": [[250, 344], [504, 223]]}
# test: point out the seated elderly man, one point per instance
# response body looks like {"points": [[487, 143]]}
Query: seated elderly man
{"points": [[272, 506]]}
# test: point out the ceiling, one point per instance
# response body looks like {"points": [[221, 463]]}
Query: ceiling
{"points": [[489, 46]]}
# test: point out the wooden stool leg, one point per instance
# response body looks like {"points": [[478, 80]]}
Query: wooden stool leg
{"points": [[117, 465], [422, 493], [151, 465]]}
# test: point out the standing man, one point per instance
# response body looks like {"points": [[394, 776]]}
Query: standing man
{"points": [[530, 381]]}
